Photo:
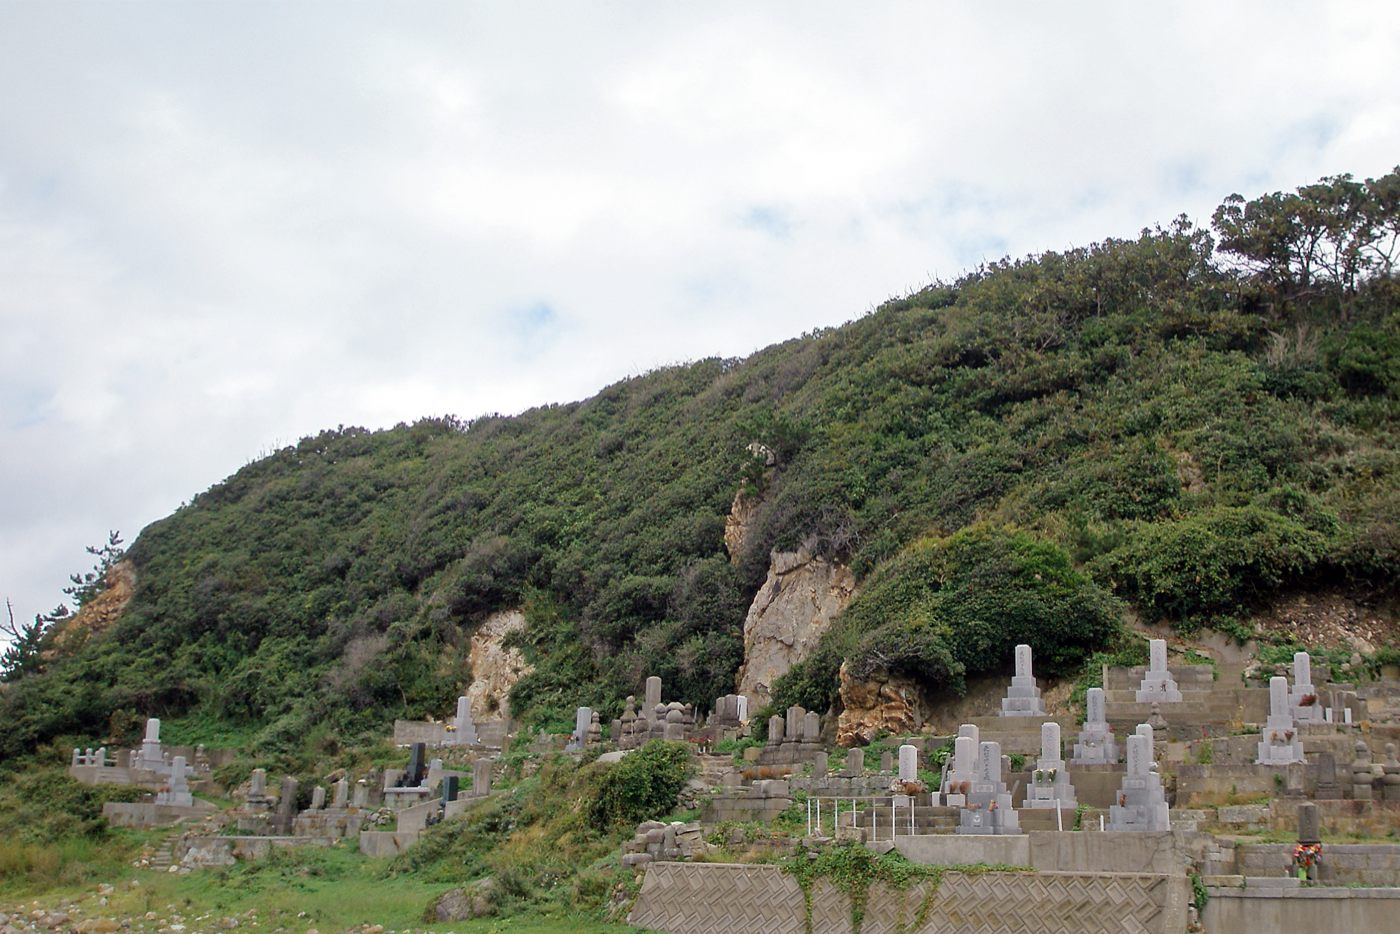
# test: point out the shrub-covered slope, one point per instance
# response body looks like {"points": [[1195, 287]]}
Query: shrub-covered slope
{"points": [[1002, 458]]}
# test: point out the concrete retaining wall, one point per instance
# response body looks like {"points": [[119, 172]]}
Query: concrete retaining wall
{"points": [[1305, 909], [718, 898], [143, 815], [1055, 851], [380, 843], [1342, 863]]}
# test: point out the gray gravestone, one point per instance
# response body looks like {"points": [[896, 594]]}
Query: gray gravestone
{"points": [[1097, 744], [481, 777], [1309, 824], [1050, 786], [1143, 803], [1158, 685], [1279, 742], [318, 798], [908, 763], [465, 728], [1023, 696], [653, 697], [177, 791]]}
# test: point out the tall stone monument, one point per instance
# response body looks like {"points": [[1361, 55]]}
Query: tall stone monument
{"points": [[151, 756], [1023, 696], [1142, 803], [1303, 701], [176, 792], [1158, 685], [1050, 786], [1097, 745], [988, 807], [465, 729], [1279, 742]]}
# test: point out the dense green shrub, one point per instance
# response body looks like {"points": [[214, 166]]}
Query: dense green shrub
{"points": [[641, 786], [1216, 561]]}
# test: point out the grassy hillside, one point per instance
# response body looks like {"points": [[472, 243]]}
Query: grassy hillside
{"points": [[1140, 424]]}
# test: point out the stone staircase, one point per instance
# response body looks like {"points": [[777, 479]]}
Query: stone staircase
{"points": [[164, 856], [713, 768]]}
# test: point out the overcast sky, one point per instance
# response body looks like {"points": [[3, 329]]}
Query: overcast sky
{"points": [[226, 226]]}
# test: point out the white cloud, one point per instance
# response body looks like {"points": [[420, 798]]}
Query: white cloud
{"points": [[223, 227]]}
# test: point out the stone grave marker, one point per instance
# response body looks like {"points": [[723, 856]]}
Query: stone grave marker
{"points": [[1023, 696], [886, 762], [1142, 803], [450, 784], [177, 792], [1050, 785], [1303, 700], [1279, 742], [908, 763], [481, 777], [987, 809], [1158, 685], [1328, 789], [653, 697], [257, 788], [416, 772], [1097, 744], [1361, 776], [151, 756], [820, 764], [855, 762], [318, 798], [1309, 823], [287, 805], [465, 728]]}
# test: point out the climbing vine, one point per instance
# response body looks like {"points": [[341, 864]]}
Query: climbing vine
{"points": [[852, 869]]}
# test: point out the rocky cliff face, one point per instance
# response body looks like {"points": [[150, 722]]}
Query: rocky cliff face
{"points": [[495, 668], [102, 611], [879, 703], [792, 609]]}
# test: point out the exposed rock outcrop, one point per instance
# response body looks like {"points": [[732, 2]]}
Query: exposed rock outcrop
{"points": [[880, 703], [495, 668], [738, 522], [101, 611], [792, 609]]}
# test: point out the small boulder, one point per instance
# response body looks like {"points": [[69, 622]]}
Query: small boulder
{"points": [[477, 900]]}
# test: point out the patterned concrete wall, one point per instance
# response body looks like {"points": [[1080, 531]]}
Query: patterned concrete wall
{"points": [[712, 898]]}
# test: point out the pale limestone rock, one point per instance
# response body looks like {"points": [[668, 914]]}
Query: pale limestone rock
{"points": [[881, 703], [792, 609], [495, 668]]}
